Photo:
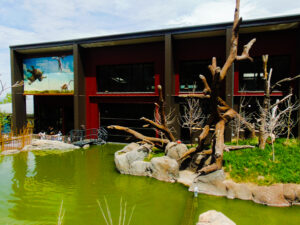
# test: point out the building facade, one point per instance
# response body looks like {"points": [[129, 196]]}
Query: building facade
{"points": [[113, 79]]}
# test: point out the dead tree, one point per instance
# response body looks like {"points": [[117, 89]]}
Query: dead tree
{"points": [[268, 109], [162, 126], [221, 113], [4, 87], [192, 117]]}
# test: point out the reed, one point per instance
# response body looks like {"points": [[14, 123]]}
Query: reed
{"points": [[61, 214], [122, 215]]}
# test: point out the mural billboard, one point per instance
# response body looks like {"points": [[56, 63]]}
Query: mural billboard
{"points": [[49, 75]]}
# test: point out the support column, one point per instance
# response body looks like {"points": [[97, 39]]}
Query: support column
{"points": [[18, 99], [169, 83], [79, 88], [229, 82]]}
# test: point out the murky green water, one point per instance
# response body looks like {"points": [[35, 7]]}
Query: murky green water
{"points": [[32, 186]]}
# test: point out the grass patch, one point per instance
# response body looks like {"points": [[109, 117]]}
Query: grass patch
{"points": [[155, 153], [256, 165]]}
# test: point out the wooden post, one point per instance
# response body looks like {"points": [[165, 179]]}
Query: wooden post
{"points": [[169, 83], [79, 88], [18, 99], [229, 83]]}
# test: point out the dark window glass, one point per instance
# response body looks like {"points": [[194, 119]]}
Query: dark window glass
{"points": [[127, 115], [126, 78], [189, 72], [251, 73]]}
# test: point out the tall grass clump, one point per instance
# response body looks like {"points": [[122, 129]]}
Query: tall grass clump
{"points": [[123, 216]]}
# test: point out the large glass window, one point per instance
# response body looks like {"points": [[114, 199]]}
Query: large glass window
{"points": [[189, 72], [251, 73], [126, 78]]}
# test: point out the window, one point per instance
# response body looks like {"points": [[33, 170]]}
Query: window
{"points": [[251, 73], [189, 72], [126, 78]]}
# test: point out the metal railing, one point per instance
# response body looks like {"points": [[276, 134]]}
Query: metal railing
{"points": [[100, 135]]}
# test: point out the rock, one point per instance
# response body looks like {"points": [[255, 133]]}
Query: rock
{"points": [[175, 150], [121, 162], [10, 152], [289, 192], [48, 145], [212, 217], [271, 196], [165, 168], [236, 190], [130, 147], [129, 154], [141, 168], [86, 146], [186, 177], [210, 184]]}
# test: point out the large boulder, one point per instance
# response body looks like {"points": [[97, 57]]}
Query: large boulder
{"points": [[165, 168], [186, 177], [210, 184], [141, 168], [271, 196], [212, 217], [129, 154], [175, 150], [238, 190], [291, 193]]}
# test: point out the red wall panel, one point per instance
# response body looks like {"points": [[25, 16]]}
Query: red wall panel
{"points": [[126, 54]]}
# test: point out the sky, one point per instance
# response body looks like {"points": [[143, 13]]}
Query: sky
{"points": [[33, 21]]}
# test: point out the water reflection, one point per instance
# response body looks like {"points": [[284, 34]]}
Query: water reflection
{"points": [[40, 181]]}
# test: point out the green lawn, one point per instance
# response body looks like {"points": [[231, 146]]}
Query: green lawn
{"points": [[256, 165]]}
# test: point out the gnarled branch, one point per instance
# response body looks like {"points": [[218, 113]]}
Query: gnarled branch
{"points": [[245, 54], [160, 127], [158, 142]]}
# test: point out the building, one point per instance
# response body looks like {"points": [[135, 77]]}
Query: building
{"points": [[112, 79]]}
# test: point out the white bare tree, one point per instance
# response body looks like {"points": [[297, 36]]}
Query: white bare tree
{"points": [[193, 118], [4, 87], [278, 119], [267, 109]]}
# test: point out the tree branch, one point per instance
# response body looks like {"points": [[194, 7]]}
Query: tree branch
{"points": [[159, 142], [245, 54], [289, 79], [160, 127]]}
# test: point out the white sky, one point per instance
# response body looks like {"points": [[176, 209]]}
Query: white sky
{"points": [[31, 21]]}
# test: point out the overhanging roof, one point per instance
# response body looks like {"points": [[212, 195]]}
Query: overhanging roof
{"points": [[249, 26]]}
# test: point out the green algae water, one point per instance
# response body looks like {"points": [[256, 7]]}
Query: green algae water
{"points": [[33, 185]]}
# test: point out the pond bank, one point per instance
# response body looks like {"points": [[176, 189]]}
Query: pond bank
{"points": [[42, 145], [130, 160]]}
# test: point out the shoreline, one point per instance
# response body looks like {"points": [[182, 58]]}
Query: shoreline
{"points": [[130, 160]]}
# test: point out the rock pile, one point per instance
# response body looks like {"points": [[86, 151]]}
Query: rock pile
{"points": [[131, 160]]}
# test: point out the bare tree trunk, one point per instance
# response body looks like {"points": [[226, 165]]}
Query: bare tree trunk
{"points": [[266, 104], [221, 113]]}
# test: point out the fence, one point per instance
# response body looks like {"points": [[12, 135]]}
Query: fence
{"points": [[12, 141]]}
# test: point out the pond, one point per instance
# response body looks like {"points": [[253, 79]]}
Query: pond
{"points": [[33, 185]]}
